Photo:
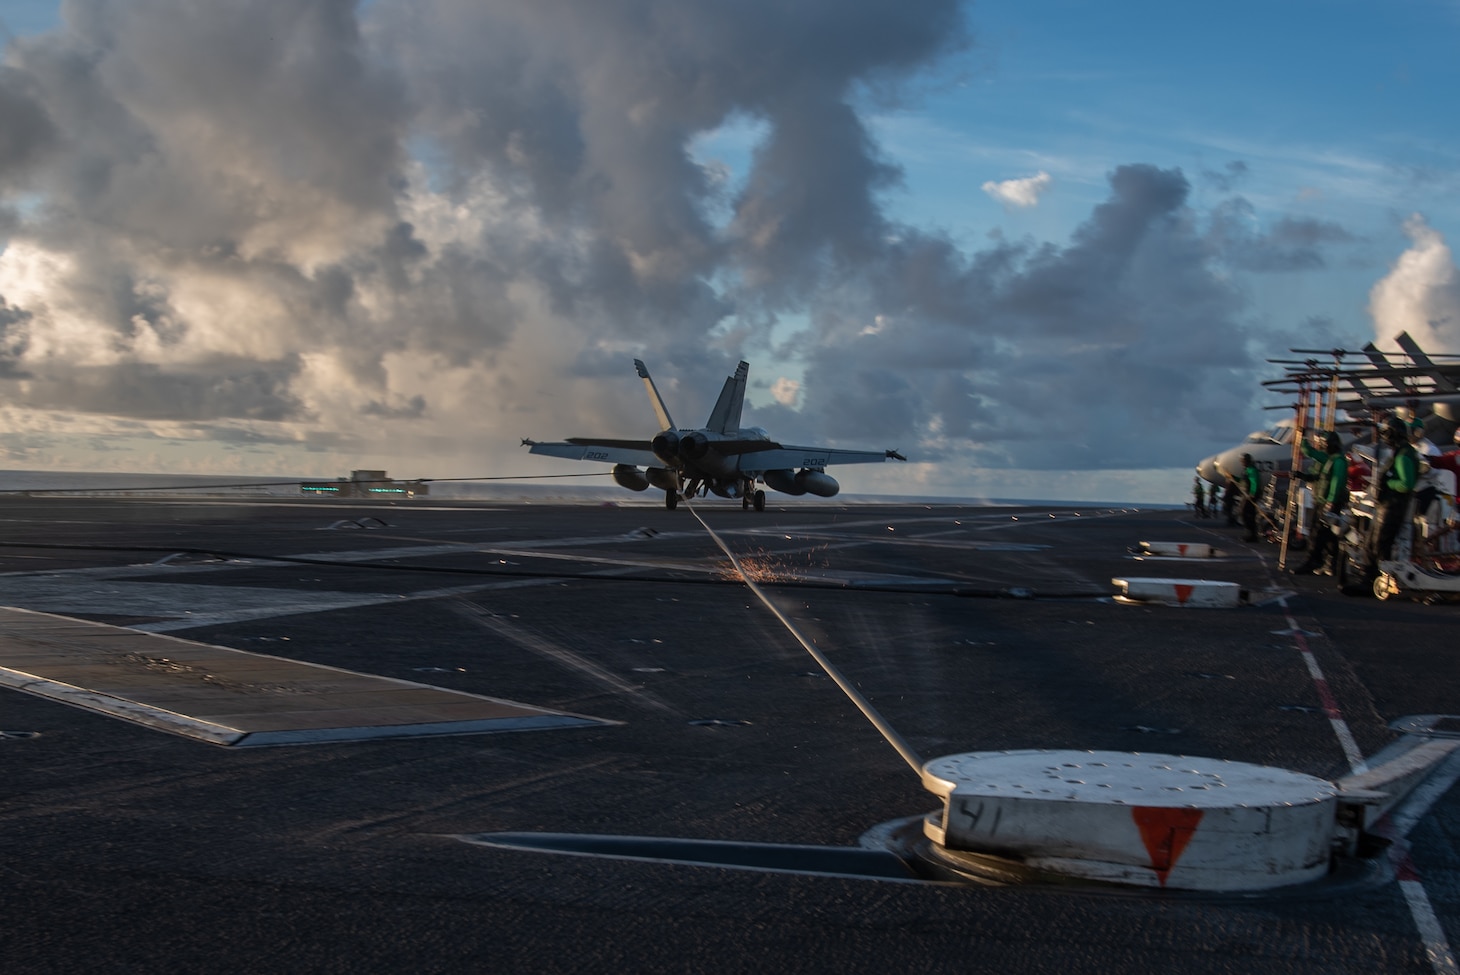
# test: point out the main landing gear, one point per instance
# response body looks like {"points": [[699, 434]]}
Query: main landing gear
{"points": [[756, 498], [749, 497]]}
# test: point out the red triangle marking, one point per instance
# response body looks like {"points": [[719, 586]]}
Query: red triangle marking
{"points": [[1165, 832], [1181, 549], [1183, 593]]}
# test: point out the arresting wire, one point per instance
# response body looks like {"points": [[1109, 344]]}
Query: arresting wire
{"points": [[863, 705]]}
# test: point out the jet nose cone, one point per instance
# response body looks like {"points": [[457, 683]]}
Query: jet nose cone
{"points": [[1207, 469]]}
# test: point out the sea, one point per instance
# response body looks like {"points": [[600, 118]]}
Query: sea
{"points": [[529, 491]]}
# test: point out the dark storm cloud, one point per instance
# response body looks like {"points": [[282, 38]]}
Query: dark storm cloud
{"points": [[1228, 177], [1290, 244], [12, 341], [811, 197], [288, 83], [588, 109], [222, 390], [1116, 350], [413, 410], [26, 131], [186, 124]]}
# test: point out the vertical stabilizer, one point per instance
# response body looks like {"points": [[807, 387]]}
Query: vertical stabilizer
{"points": [[725, 417], [665, 423]]}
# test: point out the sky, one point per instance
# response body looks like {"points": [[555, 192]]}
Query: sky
{"points": [[1044, 250]]}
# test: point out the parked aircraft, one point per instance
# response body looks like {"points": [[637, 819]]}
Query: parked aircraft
{"points": [[1412, 383], [720, 457], [1271, 450]]}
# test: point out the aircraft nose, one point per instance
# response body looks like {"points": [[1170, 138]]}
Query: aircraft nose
{"points": [[1207, 469]]}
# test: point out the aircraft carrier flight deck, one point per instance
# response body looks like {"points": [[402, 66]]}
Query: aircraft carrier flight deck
{"points": [[318, 736]]}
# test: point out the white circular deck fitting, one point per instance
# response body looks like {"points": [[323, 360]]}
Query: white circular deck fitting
{"points": [[1202, 593], [1180, 550], [1140, 819]]}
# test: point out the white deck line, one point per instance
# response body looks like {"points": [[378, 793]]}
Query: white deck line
{"points": [[354, 720]]}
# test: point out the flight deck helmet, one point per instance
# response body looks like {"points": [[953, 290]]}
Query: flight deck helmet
{"points": [[1394, 432]]}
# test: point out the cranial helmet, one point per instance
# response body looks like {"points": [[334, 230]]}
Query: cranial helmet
{"points": [[1394, 431], [1333, 443]]}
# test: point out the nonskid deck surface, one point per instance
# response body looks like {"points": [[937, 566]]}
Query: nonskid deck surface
{"points": [[970, 629], [233, 697]]}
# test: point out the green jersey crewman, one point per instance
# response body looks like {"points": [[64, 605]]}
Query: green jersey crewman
{"points": [[1396, 488], [1330, 495], [1251, 485]]}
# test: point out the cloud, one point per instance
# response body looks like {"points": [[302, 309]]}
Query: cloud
{"points": [[1226, 179], [1290, 244], [415, 230], [1019, 192], [407, 222], [26, 132], [786, 391], [1118, 349], [1421, 293]]}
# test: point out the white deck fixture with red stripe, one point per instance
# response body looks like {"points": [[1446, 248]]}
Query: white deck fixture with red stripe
{"points": [[1164, 821], [1204, 593], [1181, 550]]}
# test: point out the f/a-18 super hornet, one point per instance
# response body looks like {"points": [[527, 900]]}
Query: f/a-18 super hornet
{"points": [[720, 457]]}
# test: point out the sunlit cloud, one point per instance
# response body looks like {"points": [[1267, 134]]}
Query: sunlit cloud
{"points": [[1021, 193], [786, 391], [1421, 293]]}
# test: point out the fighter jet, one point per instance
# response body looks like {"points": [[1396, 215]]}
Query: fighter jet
{"points": [[720, 457]]}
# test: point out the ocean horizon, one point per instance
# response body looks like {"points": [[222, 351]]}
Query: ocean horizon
{"points": [[526, 490]]}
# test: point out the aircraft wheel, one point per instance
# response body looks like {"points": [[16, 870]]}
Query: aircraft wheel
{"points": [[760, 501], [1385, 586], [671, 500]]}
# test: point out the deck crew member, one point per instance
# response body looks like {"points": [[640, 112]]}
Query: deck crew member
{"points": [[1330, 495], [1396, 487], [1200, 490], [1251, 484]]}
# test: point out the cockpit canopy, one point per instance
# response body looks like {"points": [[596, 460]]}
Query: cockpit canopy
{"points": [[1281, 433]]}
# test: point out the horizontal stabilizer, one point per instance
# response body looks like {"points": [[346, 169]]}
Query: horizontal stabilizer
{"points": [[635, 452], [811, 458], [606, 442]]}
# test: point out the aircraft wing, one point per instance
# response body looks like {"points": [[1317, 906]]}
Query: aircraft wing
{"points": [[788, 457], [634, 452]]}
